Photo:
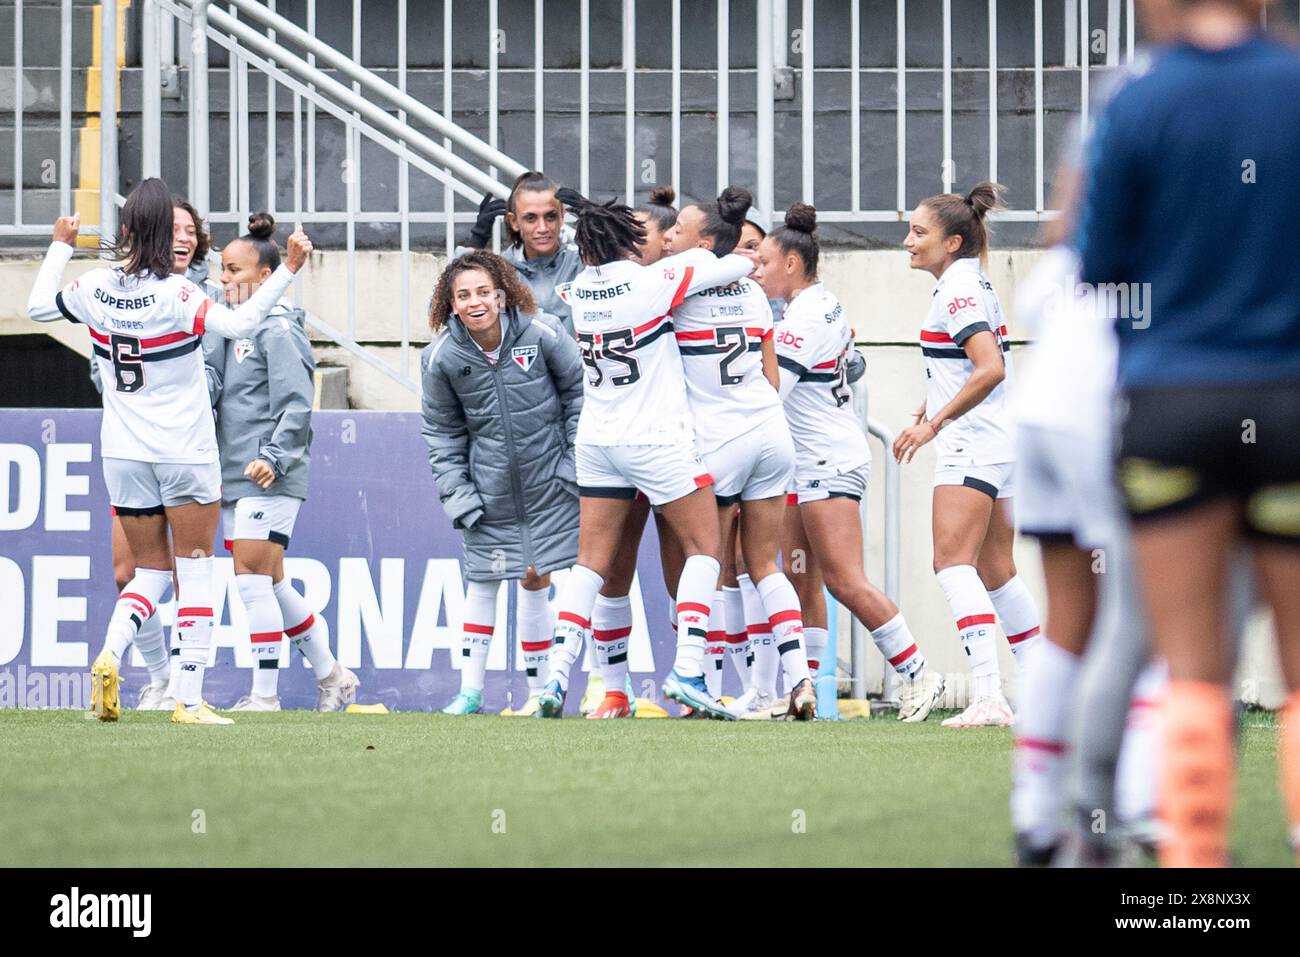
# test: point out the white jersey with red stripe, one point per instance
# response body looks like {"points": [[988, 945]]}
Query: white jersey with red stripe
{"points": [[147, 335], [964, 304], [635, 391], [813, 341], [720, 333]]}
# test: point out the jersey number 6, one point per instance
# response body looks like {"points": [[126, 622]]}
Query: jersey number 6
{"points": [[128, 368]]}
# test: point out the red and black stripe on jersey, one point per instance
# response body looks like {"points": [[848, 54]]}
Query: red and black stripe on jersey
{"points": [[151, 350], [945, 346], [821, 372], [704, 342]]}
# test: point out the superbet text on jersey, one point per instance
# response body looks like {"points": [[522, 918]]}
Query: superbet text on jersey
{"points": [[812, 345], [964, 304], [635, 391], [146, 334]]}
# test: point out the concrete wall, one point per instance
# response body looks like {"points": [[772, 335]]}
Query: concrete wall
{"points": [[885, 301]]}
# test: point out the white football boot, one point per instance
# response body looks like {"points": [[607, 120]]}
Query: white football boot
{"points": [[989, 711], [916, 699], [257, 702]]}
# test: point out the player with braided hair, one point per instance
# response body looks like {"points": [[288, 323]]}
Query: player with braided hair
{"points": [[636, 432]]}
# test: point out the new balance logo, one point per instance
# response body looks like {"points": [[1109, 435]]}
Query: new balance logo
{"points": [[103, 910]]}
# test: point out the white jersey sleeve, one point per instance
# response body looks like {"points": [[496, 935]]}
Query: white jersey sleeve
{"points": [[196, 313]]}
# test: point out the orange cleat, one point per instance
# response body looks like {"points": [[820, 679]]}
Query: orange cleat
{"points": [[613, 705]]}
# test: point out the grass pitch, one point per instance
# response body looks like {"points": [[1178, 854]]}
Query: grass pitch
{"points": [[299, 788]]}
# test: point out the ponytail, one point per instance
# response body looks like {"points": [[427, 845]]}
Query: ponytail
{"points": [[966, 217]]}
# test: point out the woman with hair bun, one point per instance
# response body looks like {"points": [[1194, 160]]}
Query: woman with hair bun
{"points": [[966, 414], [502, 391], [264, 404], [832, 458], [725, 337]]}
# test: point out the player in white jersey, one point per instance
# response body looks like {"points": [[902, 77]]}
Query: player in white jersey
{"points": [[725, 338], [635, 432], [189, 250], [967, 370], [833, 461], [609, 686], [158, 437]]}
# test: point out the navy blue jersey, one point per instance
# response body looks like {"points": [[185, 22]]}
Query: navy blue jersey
{"points": [[1191, 203]]}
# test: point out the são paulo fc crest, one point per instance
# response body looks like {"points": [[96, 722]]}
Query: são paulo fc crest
{"points": [[524, 356], [243, 349]]}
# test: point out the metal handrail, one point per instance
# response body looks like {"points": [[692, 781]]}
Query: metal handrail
{"points": [[379, 117], [287, 30]]}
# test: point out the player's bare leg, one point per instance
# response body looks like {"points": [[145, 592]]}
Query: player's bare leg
{"points": [[834, 531], [1182, 562], [193, 527], [601, 522], [960, 523], [1278, 574], [694, 521], [609, 691], [148, 637]]}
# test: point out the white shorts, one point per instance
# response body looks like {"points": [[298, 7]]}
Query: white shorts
{"points": [[1066, 491], [664, 473], [995, 481], [851, 484], [141, 488], [756, 465], [260, 518]]}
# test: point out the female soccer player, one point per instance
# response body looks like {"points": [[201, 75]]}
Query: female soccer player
{"points": [[502, 391], [609, 687], [833, 460], [967, 381], [158, 437], [1179, 211], [636, 432], [724, 334], [534, 221], [190, 246], [264, 433]]}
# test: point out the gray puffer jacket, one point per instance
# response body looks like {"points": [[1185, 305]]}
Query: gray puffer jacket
{"points": [[545, 273], [501, 443]]}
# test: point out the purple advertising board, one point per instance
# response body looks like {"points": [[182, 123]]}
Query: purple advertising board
{"points": [[372, 552]]}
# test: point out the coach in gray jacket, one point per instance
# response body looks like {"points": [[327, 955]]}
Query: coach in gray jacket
{"points": [[502, 390]]}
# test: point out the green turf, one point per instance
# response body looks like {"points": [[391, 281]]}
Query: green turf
{"points": [[299, 788]]}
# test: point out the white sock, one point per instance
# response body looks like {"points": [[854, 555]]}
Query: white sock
{"points": [[611, 629], [193, 626], [895, 642], [174, 666], [781, 603], [1041, 754], [573, 620], [265, 630], [1020, 619], [307, 631], [715, 646], [973, 609], [137, 603], [1135, 774], [533, 618], [766, 660], [815, 641], [476, 633], [739, 649], [153, 649], [694, 597]]}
